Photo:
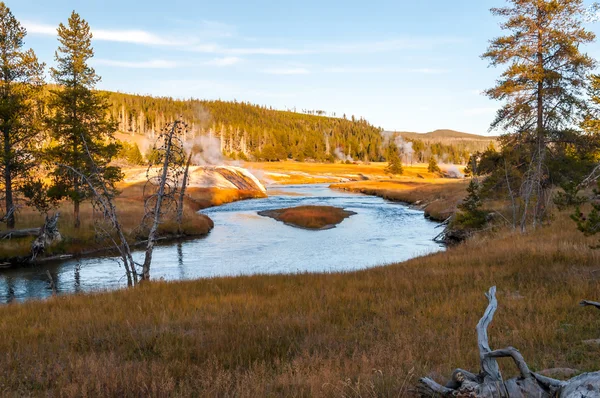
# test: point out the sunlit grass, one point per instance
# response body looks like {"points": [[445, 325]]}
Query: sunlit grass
{"points": [[437, 197], [130, 209], [291, 172], [366, 333]]}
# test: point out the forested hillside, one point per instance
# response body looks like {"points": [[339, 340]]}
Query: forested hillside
{"points": [[251, 131], [445, 145], [248, 131]]}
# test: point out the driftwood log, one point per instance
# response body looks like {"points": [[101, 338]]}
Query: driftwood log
{"points": [[19, 233], [48, 235], [489, 383]]}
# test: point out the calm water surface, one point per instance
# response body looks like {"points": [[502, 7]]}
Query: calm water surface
{"points": [[243, 243]]}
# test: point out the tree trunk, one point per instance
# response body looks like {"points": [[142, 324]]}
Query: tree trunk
{"points": [[48, 234], [157, 209], [10, 211], [76, 204]]}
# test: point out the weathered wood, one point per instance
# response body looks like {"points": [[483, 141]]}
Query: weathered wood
{"points": [[489, 366], [489, 384], [586, 303], [19, 233], [48, 235]]}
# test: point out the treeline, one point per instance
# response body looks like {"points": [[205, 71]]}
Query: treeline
{"points": [[248, 131], [253, 132]]}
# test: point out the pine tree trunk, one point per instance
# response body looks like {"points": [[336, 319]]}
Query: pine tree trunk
{"points": [[76, 213], [10, 214]]}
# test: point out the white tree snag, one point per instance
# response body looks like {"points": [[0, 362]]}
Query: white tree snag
{"points": [[48, 235], [489, 366], [166, 182], [489, 384], [102, 200], [586, 303]]}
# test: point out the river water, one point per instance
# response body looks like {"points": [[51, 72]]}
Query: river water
{"points": [[244, 243]]}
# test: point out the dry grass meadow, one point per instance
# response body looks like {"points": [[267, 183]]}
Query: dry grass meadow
{"points": [[360, 334], [370, 333], [130, 208]]}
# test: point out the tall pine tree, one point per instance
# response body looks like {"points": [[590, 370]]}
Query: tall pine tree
{"points": [[21, 77], [78, 120], [543, 85]]}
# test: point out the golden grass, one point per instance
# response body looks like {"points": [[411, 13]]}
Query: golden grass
{"points": [[292, 172], [309, 217], [367, 333], [437, 197], [130, 208]]}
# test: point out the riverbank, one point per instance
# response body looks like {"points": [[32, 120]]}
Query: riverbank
{"points": [[292, 172], [130, 208], [372, 332], [438, 197]]}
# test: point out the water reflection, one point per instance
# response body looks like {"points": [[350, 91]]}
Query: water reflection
{"points": [[244, 243]]}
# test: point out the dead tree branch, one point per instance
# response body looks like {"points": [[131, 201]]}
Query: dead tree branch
{"points": [[489, 384]]}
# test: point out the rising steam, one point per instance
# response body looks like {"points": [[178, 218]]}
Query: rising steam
{"points": [[342, 156], [205, 150]]}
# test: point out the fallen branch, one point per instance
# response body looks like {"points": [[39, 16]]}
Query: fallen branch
{"points": [[489, 384], [19, 233]]}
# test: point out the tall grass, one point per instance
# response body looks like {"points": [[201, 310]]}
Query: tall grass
{"points": [[130, 209], [358, 334]]}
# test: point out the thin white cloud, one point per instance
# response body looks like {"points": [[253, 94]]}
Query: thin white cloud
{"points": [[122, 36], [287, 71], [152, 64], [224, 61], [350, 69], [377, 69], [41, 29], [219, 30], [166, 64]]}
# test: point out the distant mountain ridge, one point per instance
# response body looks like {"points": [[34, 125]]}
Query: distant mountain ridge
{"points": [[442, 134]]}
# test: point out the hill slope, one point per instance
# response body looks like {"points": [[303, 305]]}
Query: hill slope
{"points": [[251, 132]]}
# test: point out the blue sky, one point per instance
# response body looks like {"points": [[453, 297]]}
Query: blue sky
{"points": [[403, 65]]}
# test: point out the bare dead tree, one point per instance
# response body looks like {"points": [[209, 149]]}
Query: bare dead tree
{"points": [[163, 177], [102, 202], [489, 383], [47, 235]]}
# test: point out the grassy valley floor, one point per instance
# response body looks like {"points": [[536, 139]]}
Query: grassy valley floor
{"points": [[367, 333]]}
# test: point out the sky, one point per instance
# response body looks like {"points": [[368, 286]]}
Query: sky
{"points": [[402, 65]]}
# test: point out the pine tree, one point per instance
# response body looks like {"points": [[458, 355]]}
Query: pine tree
{"points": [[433, 166], [471, 215], [20, 83], [394, 162], [78, 117], [546, 75], [543, 85]]}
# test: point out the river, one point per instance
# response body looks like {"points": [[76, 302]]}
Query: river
{"points": [[244, 243]]}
